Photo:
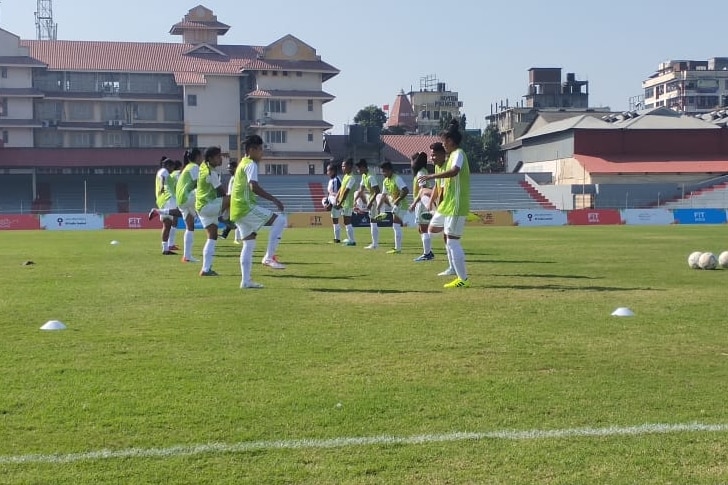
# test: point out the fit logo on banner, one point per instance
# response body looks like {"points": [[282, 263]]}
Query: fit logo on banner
{"points": [[135, 223], [316, 220], [699, 216], [593, 218]]}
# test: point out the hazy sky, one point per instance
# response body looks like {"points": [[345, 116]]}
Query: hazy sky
{"points": [[482, 49]]}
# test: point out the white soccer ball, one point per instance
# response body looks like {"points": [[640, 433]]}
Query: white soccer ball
{"points": [[708, 261], [325, 201], [693, 259], [723, 259]]}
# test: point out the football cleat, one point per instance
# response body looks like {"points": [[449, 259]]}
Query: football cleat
{"points": [[425, 257], [372, 246], [191, 259], [447, 272], [169, 253], [394, 251], [209, 272], [273, 263], [251, 285], [457, 283]]}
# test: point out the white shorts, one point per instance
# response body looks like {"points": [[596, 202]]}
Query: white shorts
{"points": [[210, 212], [188, 208], [420, 209], [170, 204], [347, 212], [453, 225], [254, 220], [335, 213]]}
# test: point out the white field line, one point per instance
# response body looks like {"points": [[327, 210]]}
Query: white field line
{"points": [[218, 448]]}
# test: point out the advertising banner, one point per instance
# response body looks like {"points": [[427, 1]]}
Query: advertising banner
{"points": [[11, 222], [699, 216], [491, 218], [645, 217], [594, 217], [71, 222], [130, 221], [539, 218]]}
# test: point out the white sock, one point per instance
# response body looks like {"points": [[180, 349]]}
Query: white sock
{"points": [[246, 260], [458, 258], [426, 243], [350, 232], [337, 232], [238, 234], [375, 233], [172, 234], [449, 257], [189, 239], [274, 238], [165, 246], [208, 253], [397, 235]]}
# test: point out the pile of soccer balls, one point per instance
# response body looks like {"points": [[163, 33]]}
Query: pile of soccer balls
{"points": [[700, 260]]}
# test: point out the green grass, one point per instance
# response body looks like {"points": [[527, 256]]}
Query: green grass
{"points": [[155, 357]]}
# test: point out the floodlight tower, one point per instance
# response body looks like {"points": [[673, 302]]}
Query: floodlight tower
{"points": [[45, 28]]}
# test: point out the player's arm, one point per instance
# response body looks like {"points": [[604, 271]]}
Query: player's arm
{"points": [[403, 192], [340, 200], [374, 191], [260, 192]]}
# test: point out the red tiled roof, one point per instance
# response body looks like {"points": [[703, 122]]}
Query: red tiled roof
{"points": [[402, 114], [625, 165], [399, 148], [180, 27], [159, 57], [281, 93], [190, 78], [83, 157], [293, 123]]}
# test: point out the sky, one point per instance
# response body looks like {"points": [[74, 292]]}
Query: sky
{"points": [[481, 49]]}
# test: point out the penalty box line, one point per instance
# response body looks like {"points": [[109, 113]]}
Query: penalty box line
{"points": [[219, 448]]}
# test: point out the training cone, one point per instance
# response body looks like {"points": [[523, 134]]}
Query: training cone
{"points": [[114, 242], [53, 325], [622, 312]]}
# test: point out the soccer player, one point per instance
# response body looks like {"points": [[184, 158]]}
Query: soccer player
{"points": [[439, 157], [166, 203], [370, 186], [209, 197], [249, 217], [395, 192], [172, 182], [225, 217], [332, 190], [455, 204], [345, 200], [422, 193], [186, 187]]}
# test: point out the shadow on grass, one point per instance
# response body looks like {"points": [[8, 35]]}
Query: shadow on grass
{"points": [[350, 291], [512, 261], [311, 277], [569, 288], [564, 276]]}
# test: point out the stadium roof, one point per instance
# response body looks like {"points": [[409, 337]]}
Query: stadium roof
{"points": [[399, 148]]}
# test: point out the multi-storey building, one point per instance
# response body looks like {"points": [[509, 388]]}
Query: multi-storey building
{"points": [[689, 87], [432, 103], [105, 99]]}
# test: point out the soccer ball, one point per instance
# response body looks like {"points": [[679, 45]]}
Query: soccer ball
{"points": [[708, 261], [723, 259], [326, 203], [693, 260]]}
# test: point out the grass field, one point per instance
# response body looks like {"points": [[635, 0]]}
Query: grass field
{"points": [[357, 367]]}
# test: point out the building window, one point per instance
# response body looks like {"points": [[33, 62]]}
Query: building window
{"points": [[173, 112], [6, 136], [310, 137], [310, 104], [145, 111], [276, 169], [173, 140], [284, 73], [113, 139], [3, 72], [275, 106], [276, 136], [191, 100], [81, 111], [263, 73], [299, 74], [146, 139], [82, 140], [3, 106], [274, 73], [191, 141], [233, 143]]}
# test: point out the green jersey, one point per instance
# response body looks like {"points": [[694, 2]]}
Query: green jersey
{"points": [[187, 182], [456, 199], [172, 182], [161, 187], [207, 184], [394, 186], [242, 199], [368, 181], [347, 182], [416, 185]]}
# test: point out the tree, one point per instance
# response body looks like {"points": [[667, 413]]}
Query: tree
{"points": [[371, 116], [492, 150]]}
